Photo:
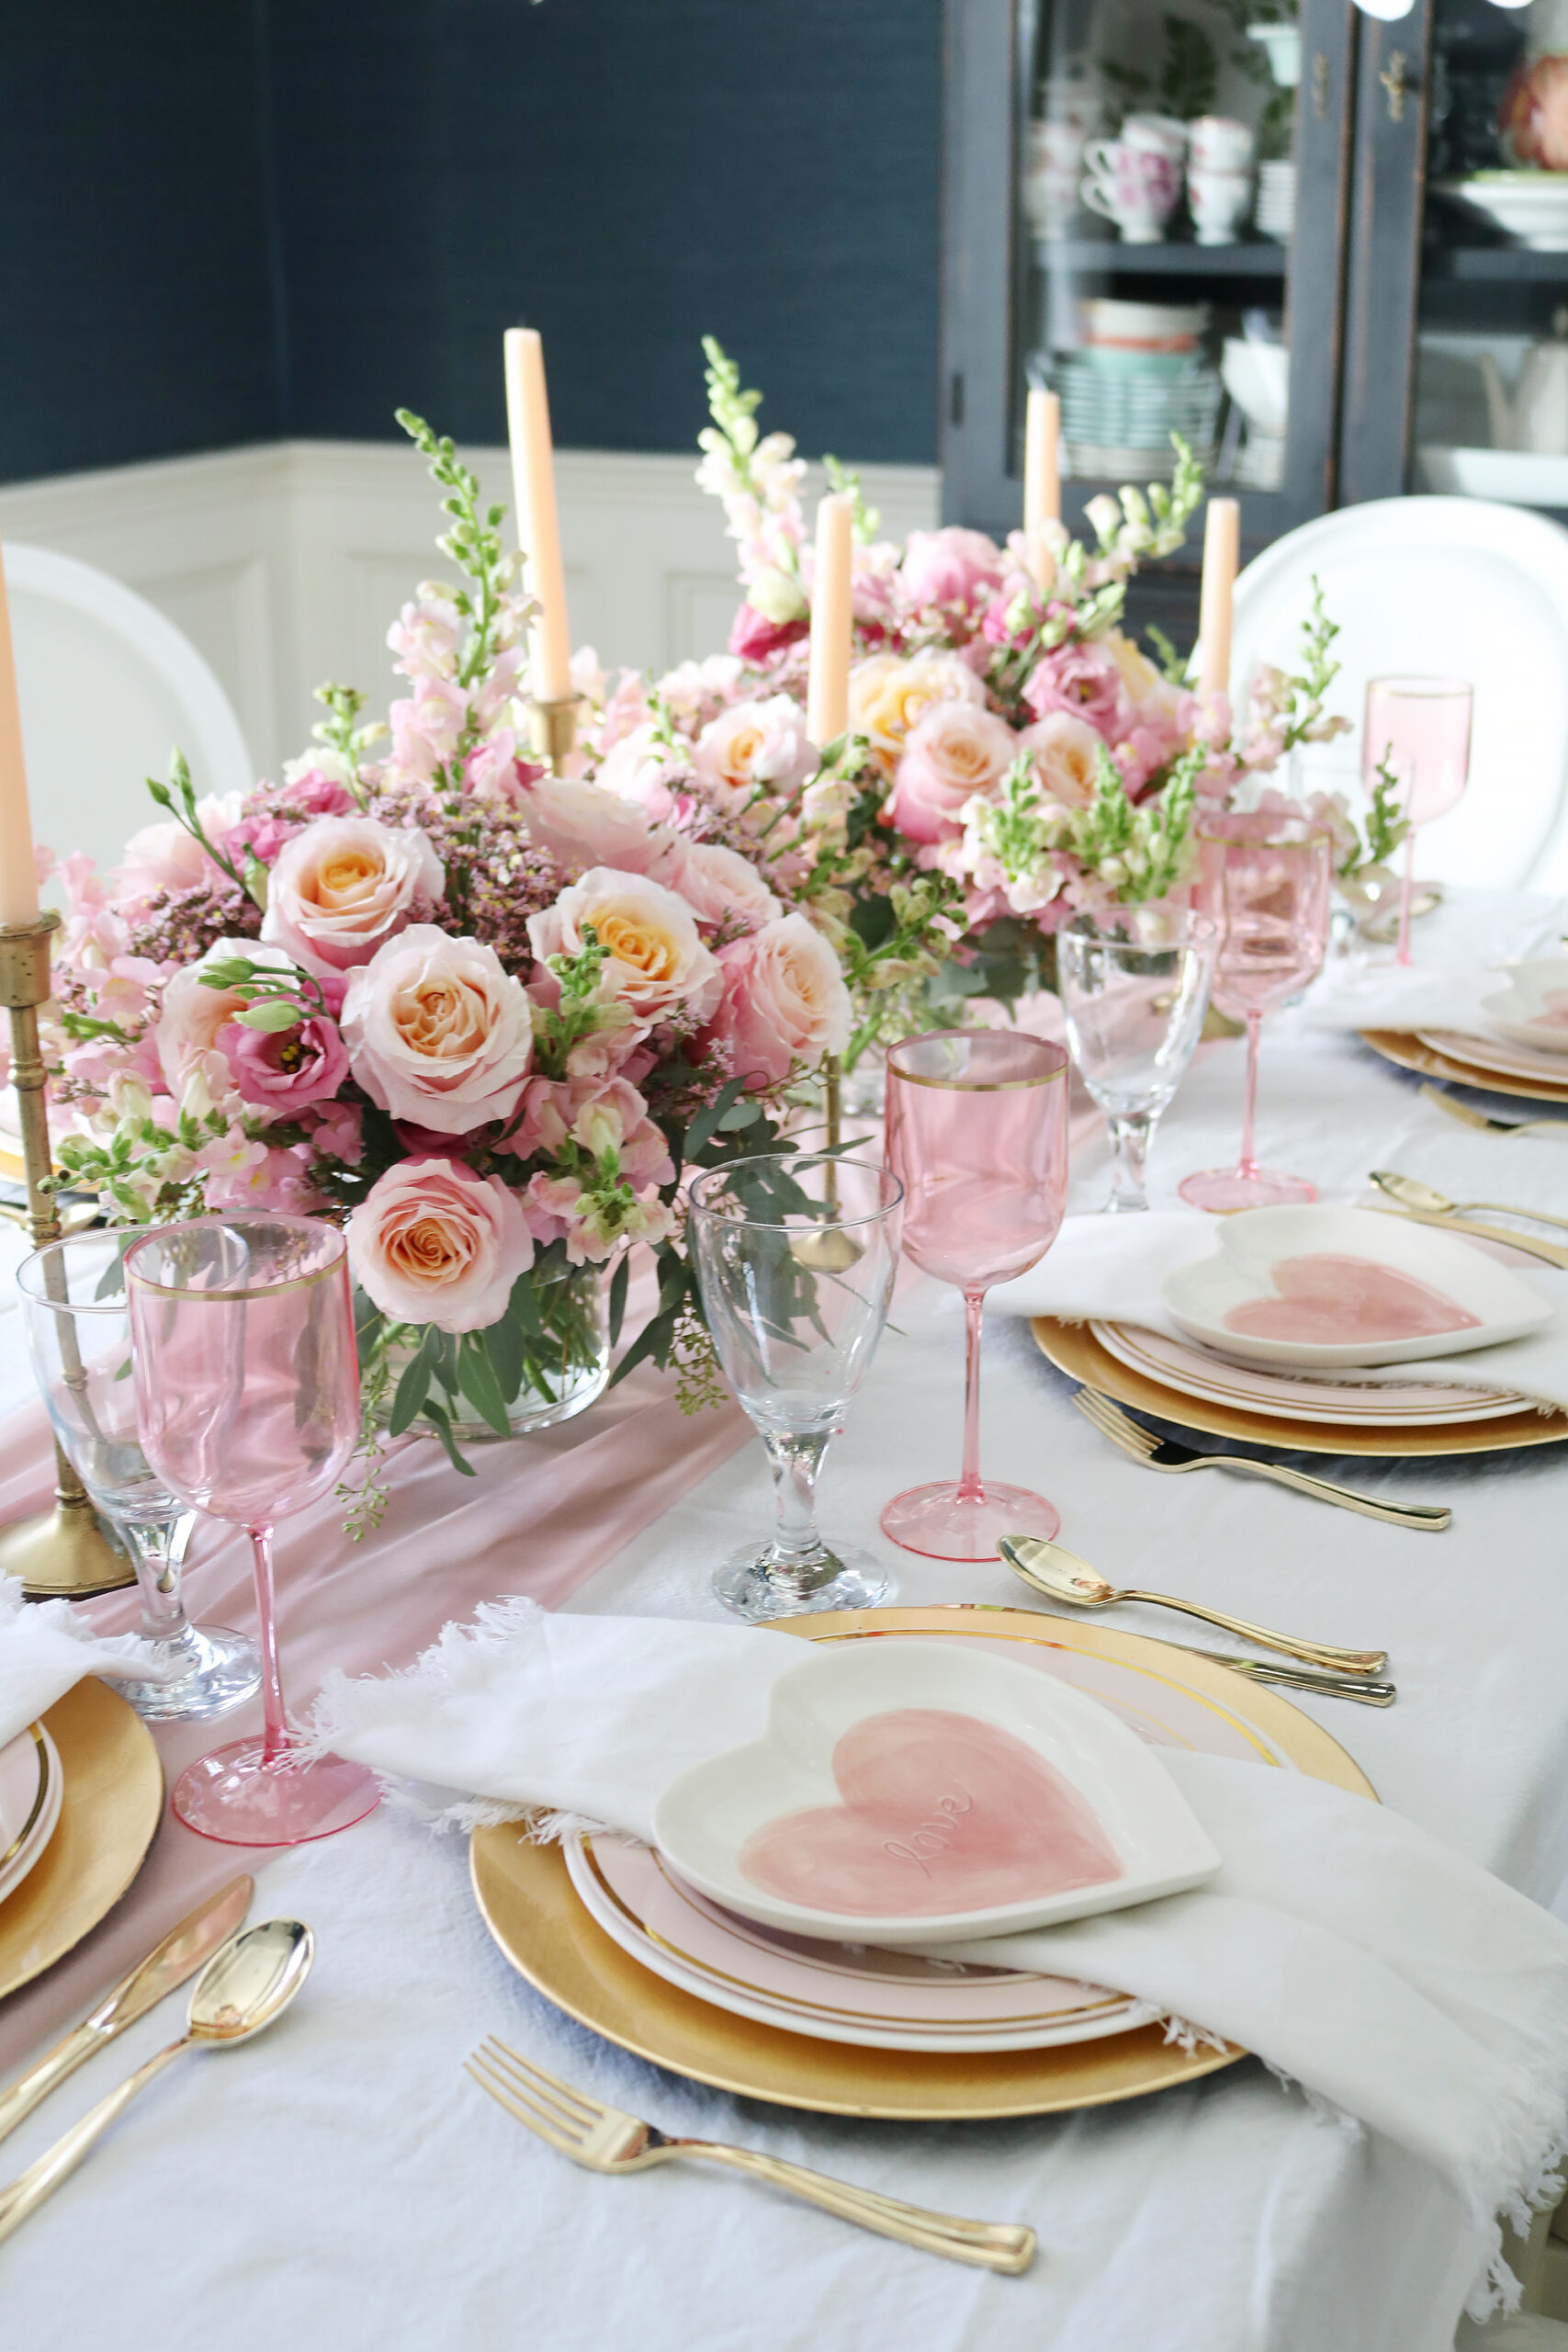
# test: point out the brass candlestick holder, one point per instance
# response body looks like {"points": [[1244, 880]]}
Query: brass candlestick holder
{"points": [[554, 731], [61, 1554]]}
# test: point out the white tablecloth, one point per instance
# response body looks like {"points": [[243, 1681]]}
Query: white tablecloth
{"points": [[343, 2184]]}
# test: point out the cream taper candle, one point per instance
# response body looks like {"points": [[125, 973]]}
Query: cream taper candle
{"points": [[539, 532], [1042, 462], [19, 877], [832, 623], [1222, 541]]}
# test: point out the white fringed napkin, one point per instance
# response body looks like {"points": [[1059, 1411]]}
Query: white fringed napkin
{"points": [[45, 1651], [1397, 1982]]}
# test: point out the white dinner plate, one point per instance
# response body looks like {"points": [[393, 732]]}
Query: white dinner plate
{"points": [[32, 1787], [1190, 1371], [908, 1792], [1498, 1057], [1321, 1288]]}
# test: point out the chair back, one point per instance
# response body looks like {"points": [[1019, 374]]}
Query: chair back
{"points": [[109, 687], [1455, 586]]}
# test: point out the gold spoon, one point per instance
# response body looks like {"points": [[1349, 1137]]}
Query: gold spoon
{"points": [[1411, 1193], [246, 1984], [1063, 1577]]}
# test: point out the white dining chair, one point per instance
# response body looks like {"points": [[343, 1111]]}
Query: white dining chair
{"points": [[1455, 586], [109, 687]]}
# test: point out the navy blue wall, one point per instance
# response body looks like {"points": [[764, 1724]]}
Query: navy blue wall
{"points": [[289, 216]]}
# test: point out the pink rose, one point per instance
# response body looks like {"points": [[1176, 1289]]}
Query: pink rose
{"points": [[952, 566], [757, 745], [957, 751], [1064, 753], [166, 857], [283, 1071], [656, 965], [753, 637], [579, 825], [438, 1031], [784, 1001], [1084, 680], [192, 1015], [344, 887], [432, 1242], [720, 885]]}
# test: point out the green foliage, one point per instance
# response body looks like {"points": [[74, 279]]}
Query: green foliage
{"points": [[473, 543], [1309, 686], [867, 521], [179, 797], [341, 733], [1386, 827]]}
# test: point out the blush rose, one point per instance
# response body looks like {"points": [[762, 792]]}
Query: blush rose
{"points": [[656, 963], [784, 1001], [432, 1242], [345, 887], [956, 752], [438, 1031]]}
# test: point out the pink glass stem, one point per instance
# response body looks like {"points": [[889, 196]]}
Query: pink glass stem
{"points": [[969, 1487], [1406, 887], [1249, 1098], [275, 1738]]}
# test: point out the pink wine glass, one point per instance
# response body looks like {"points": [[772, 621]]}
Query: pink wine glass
{"points": [[1419, 729], [1265, 881], [978, 1134], [247, 1397]]}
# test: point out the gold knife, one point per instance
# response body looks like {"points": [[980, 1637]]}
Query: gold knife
{"points": [[181, 1953], [1552, 1252]]}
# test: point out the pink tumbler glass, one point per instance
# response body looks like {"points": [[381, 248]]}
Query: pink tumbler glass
{"points": [[247, 1397], [977, 1135]]}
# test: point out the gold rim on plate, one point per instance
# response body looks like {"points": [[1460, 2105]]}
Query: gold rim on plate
{"points": [[1073, 1349], [527, 1902], [112, 1805], [1410, 1051]]}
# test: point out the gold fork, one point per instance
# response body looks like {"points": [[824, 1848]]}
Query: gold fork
{"points": [[1483, 1126], [605, 2139], [1164, 1453]]}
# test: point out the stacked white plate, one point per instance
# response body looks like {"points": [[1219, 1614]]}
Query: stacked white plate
{"points": [[1121, 418], [1276, 210], [32, 1786]]}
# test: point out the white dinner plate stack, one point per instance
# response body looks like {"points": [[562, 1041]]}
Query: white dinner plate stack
{"points": [[1276, 211]]}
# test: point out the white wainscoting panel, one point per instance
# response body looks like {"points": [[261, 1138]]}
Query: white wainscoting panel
{"points": [[286, 563]]}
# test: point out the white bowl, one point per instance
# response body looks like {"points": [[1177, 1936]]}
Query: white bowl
{"points": [[1258, 378], [954, 1738], [1519, 1011], [1518, 477], [1531, 206], [1282, 44], [1253, 1247]]}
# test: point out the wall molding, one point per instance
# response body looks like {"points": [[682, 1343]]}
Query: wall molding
{"points": [[286, 562]]}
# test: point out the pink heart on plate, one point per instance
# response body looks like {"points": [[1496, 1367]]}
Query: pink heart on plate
{"points": [[941, 1813], [1329, 1296]]}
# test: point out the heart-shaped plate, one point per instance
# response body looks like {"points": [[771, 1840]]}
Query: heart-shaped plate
{"points": [[1533, 1009], [909, 1792], [1346, 1274]]}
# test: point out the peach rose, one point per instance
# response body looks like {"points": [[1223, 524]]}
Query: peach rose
{"points": [[192, 1015], [720, 885], [580, 824], [785, 1000], [438, 1031], [1064, 752], [656, 965], [956, 752], [346, 886], [757, 745], [890, 696], [431, 1242]]}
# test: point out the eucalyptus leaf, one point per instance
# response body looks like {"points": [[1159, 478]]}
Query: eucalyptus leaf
{"points": [[437, 1416], [479, 1383], [618, 1282]]}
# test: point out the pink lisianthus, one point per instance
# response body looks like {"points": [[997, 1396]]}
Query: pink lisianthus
{"points": [[952, 566], [756, 746], [602, 1115], [345, 887], [655, 964], [784, 1001], [432, 1242], [283, 1071], [957, 751], [579, 824], [1084, 680], [438, 1031], [754, 638], [720, 885]]}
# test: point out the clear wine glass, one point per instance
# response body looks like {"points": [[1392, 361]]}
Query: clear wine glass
{"points": [[78, 1326], [795, 1258], [1265, 879], [1134, 987], [1419, 729], [247, 1397], [977, 1130]]}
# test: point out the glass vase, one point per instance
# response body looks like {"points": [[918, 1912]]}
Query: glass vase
{"points": [[566, 1364]]}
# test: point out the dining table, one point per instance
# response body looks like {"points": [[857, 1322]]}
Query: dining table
{"points": [[343, 2183]]}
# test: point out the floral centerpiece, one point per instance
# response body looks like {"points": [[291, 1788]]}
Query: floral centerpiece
{"points": [[484, 1013]]}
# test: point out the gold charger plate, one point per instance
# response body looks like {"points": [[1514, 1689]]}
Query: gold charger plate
{"points": [[113, 1803], [1410, 1051], [528, 1905], [1073, 1349]]}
